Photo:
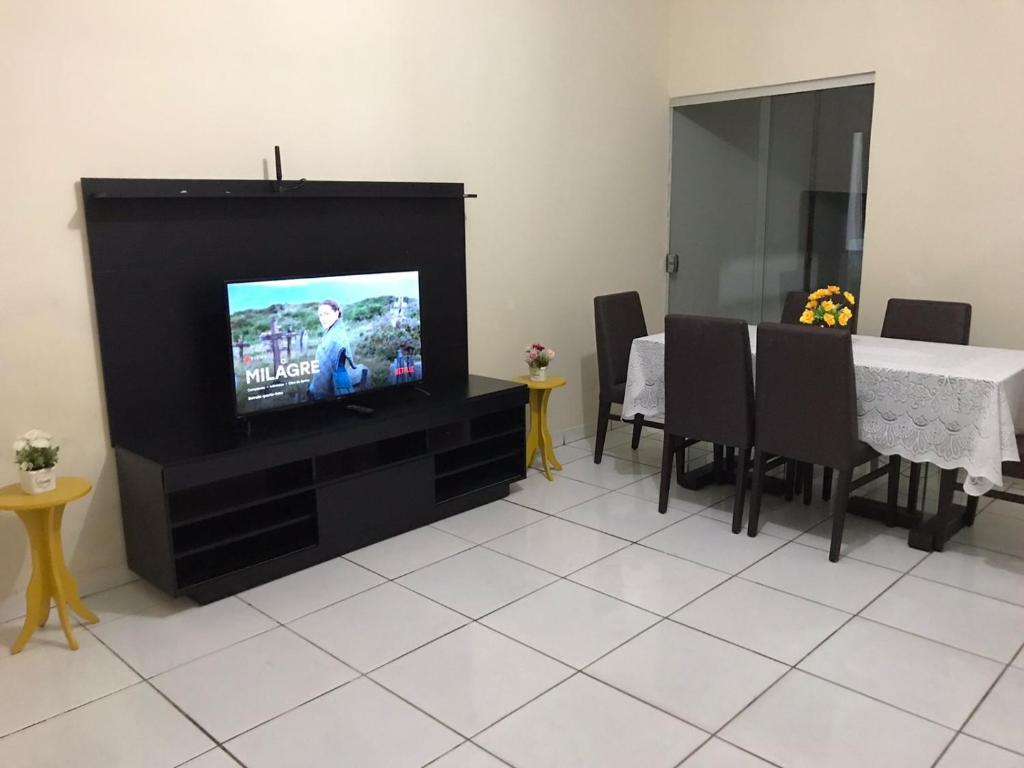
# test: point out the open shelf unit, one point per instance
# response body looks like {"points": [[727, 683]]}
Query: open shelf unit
{"points": [[497, 458], [231, 555], [502, 469], [223, 496], [243, 522], [212, 525], [371, 456]]}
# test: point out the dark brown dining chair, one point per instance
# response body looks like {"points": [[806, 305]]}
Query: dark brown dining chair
{"points": [[806, 417], [618, 319], [800, 477], [943, 322], [709, 395], [793, 306]]}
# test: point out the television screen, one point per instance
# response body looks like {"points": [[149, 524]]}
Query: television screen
{"points": [[313, 339]]}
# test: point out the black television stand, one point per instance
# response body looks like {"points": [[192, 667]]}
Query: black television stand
{"points": [[361, 410], [210, 515]]}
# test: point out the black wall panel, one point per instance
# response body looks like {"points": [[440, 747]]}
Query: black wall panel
{"points": [[160, 258]]}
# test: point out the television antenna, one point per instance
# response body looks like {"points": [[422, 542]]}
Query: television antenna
{"points": [[279, 185]]}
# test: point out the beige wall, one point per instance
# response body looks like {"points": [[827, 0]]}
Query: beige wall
{"points": [[946, 186], [555, 113]]}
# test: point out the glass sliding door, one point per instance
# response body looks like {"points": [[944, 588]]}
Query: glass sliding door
{"points": [[769, 195], [716, 208]]}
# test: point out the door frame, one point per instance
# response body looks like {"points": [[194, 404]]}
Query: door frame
{"points": [[778, 89]]}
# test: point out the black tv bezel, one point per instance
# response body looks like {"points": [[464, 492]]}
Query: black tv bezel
{"points": [[352, 399]]}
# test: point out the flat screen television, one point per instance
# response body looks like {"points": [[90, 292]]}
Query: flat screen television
{"points": [[304, 340]]}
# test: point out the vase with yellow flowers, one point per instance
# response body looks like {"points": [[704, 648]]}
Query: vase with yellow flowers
{"points": [[829, 307]]}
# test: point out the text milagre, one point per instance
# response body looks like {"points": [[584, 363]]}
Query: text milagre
{"points": [[307, 368]]}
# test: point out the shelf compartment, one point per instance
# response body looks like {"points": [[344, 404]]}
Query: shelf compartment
{"points": [[192, 520], [478, 453], [243, 523], [448, 436], [369, 457], [479, 463], [212, 499], [278, 542], [502, 469], [497, 423]]}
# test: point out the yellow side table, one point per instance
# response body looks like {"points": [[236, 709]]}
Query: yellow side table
{"points": [[42, 514], [539, 438]]}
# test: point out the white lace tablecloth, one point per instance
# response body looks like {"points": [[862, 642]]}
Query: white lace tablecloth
{"points": [[953, 406]]}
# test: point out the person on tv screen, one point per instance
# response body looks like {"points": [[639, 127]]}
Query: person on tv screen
{"points": [[329, 351], [342, 378]]}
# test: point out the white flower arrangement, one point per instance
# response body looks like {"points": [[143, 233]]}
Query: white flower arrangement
{"points": [[35, 450]]}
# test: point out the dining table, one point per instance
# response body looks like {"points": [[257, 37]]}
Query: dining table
{"points": [[957, 407]]}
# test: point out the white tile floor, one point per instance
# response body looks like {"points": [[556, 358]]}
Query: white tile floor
{"points": [[570, 625]]}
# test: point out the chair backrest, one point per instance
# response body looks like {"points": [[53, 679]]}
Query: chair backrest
{"points": [[709, 387], [806, 394], [946, 322], [618, 319], [793, 307]]}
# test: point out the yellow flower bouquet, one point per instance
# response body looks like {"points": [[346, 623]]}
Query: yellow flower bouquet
{"points": [[826, 307]]}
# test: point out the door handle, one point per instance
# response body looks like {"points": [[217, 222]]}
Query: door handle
{"points": [[672, 263]]}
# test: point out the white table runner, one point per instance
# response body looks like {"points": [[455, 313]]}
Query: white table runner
{"points": [[954, 406]]}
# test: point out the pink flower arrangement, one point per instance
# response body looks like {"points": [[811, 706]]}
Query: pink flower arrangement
{"points": [[538, 356]]}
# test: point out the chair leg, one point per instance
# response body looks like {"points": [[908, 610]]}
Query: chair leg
{"points": [[839, 512], [730, 459], [638, 429], [798, 477], [972, 511], [756, 483], [742, 466], [826, 483], [680, 462], [808, 473], [604, 412], [893, 498], [790, 481], [668, 453], [913, 489], [947, 483]]}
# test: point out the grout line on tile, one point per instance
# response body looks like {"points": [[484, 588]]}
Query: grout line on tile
{"points": [[930, 639], [973, 712], [279, 715], [194, 658], [315, 610], [77, 706], [218, 748], [505, 533], [964, 589], [458, 746]]}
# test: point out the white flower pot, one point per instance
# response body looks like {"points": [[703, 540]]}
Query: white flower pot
{"points": [[39, 480], [538, 374]]}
